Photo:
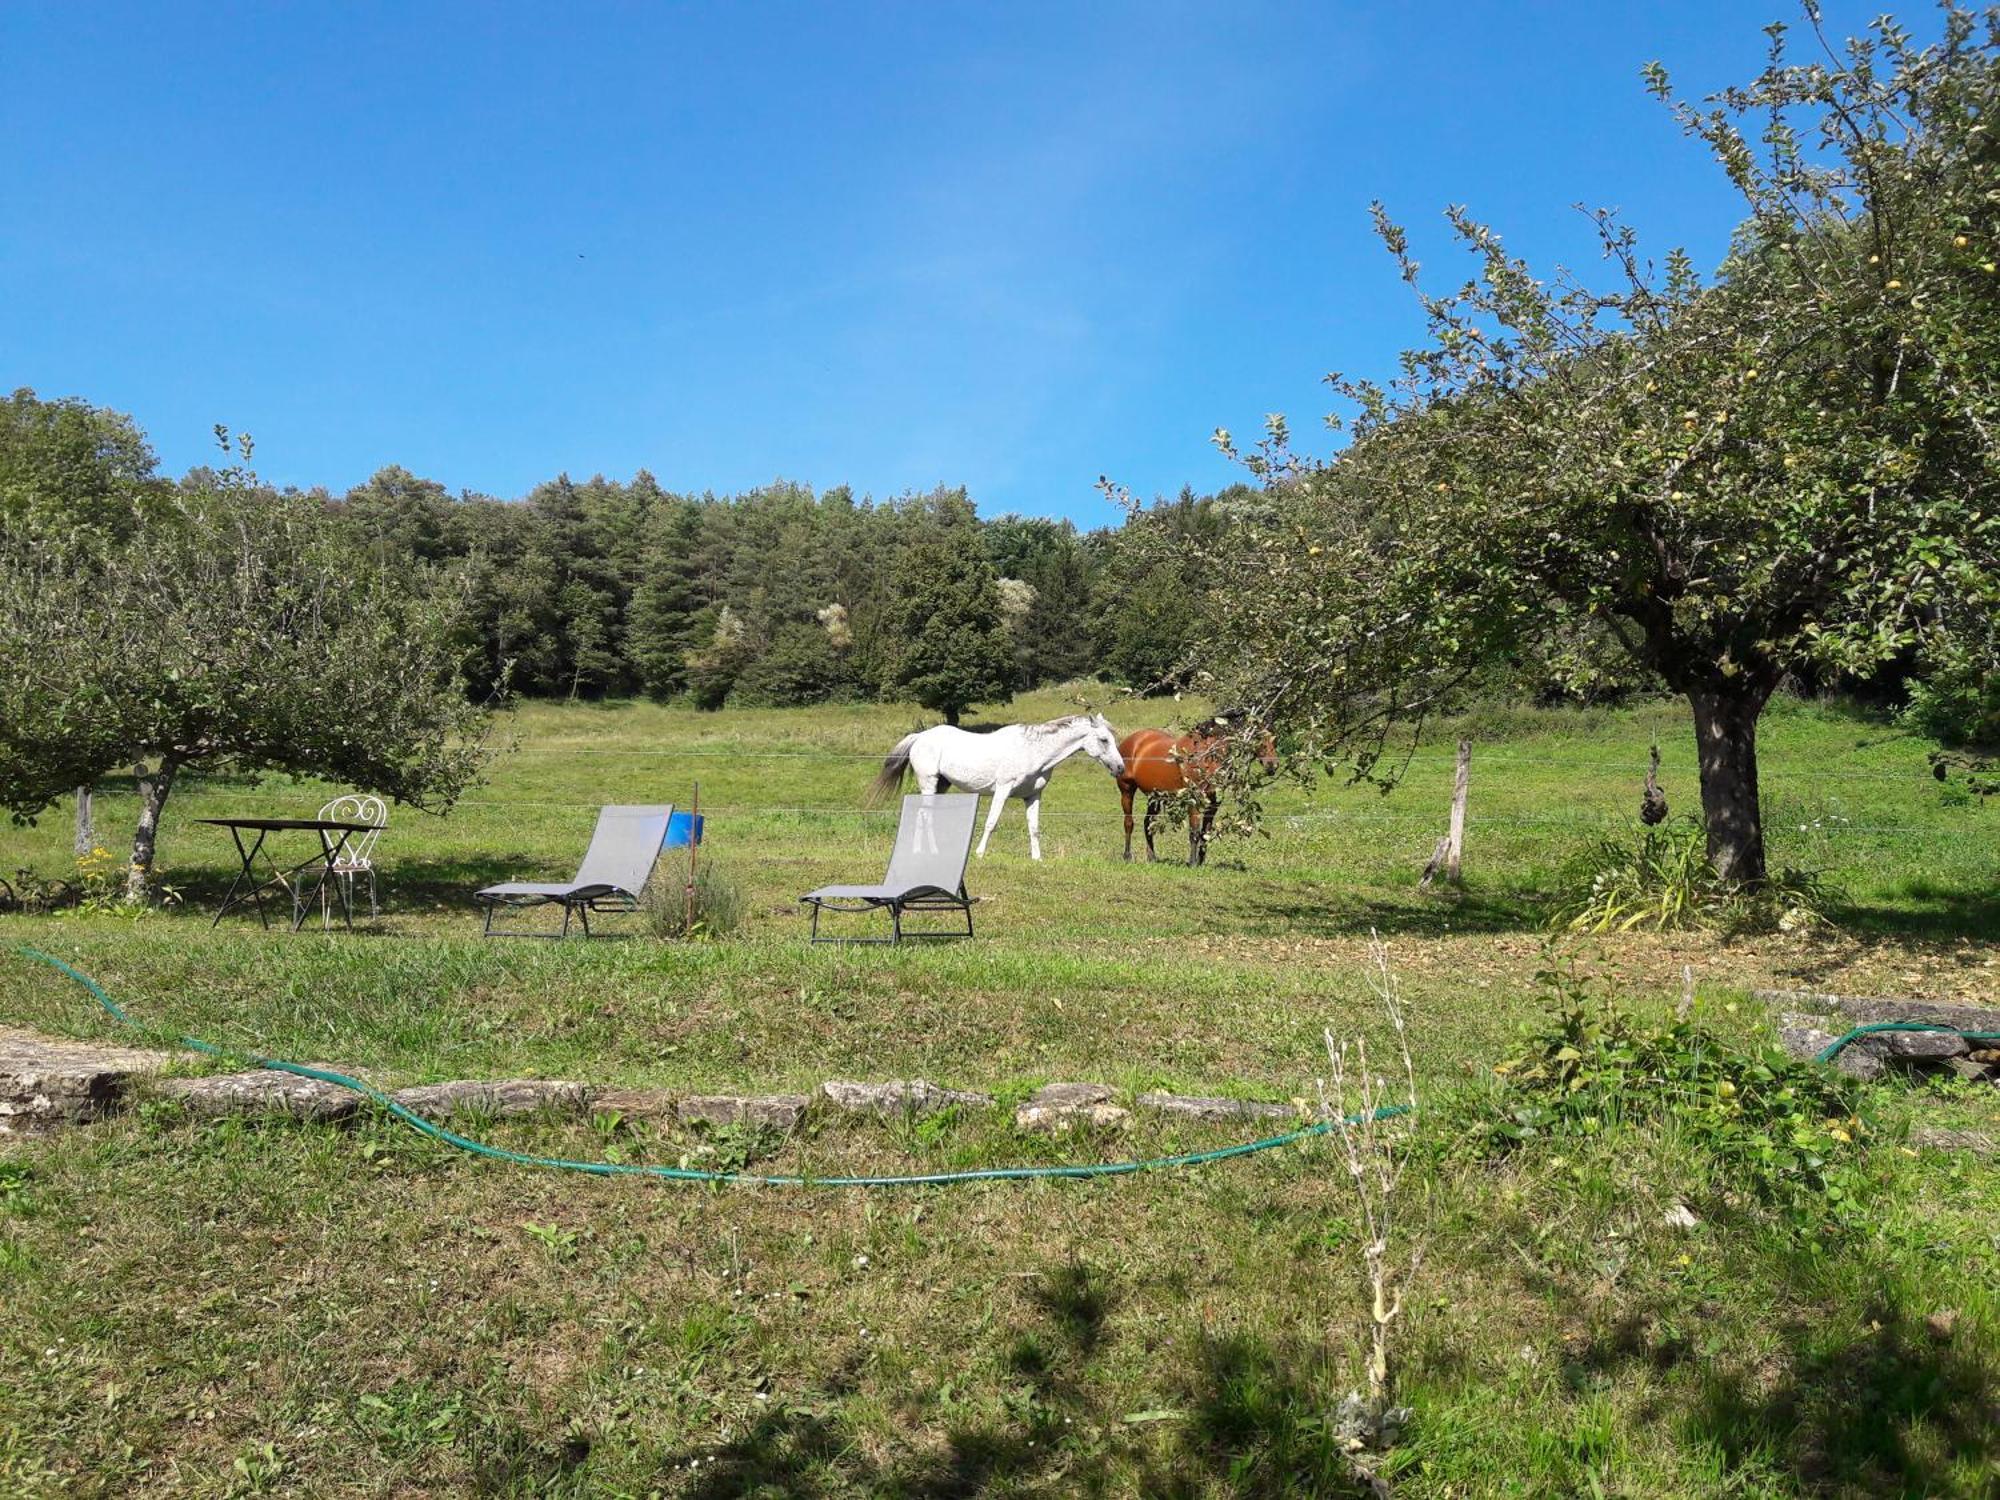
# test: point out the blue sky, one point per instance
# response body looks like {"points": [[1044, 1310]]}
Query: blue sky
{"points": [[1005, 246]]}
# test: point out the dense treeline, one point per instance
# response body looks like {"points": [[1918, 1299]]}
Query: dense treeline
{"points": [[778, 596], [784, 596]]}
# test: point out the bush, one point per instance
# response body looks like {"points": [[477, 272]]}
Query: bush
{"points": [[1960, 707], [1662, 881], [1781, 1126], [718, 901]]}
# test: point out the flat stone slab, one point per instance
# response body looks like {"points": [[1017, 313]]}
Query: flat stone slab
{"points": [[646, 1104], [1200, 1107], [899, 1096], [1064, 1106], [497, 1099], [263, 1092], [1865, 1057], [1804, 1036], [1923, 1046], [780, 1111], [45, 1081], [1941, 1138], [1864, 1009]]}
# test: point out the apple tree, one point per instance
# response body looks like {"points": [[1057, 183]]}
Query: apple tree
{"points": [[1789, 463]]}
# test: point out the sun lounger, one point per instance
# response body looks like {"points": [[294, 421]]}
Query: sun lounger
{"points": [[612, 876], [926, 871]]}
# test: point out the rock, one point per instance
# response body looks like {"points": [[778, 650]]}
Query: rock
{"points": [[1913, 1046], [263, 1092], [46, 1082], [1680, 1216], [1939, 1138], [1064, 1106], [1861, 1010], [636, 1104], [1940, 1324], [1803, 1036], [915, 1096], [1859, 1062], [1970, 1071], [1200, 1107], [498, 1099], [779, 1111]]}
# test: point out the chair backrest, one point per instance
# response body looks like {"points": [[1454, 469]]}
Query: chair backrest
{"points": [[933, 840], [624, 848], [358, 808]]}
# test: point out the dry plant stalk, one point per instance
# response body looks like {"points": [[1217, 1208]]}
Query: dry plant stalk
{"points": [[1376, 1155]]}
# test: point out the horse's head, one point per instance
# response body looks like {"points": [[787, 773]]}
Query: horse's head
{"points": [[1100, 743], [1240, 727]]}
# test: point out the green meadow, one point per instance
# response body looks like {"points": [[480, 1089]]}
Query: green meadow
{"points": [[249, 1307]]}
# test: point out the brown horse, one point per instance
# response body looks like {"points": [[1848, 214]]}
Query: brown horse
{"points": [[1158, 764]]}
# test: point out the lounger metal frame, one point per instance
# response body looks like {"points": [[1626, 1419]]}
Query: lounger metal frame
{"points": [[577, 907], [928, 901]]}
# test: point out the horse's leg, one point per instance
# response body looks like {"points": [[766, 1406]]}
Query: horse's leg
{"points": [[1034, 809], [1000, 791], [1200, 821], [1125, 791], [1152, 812]]}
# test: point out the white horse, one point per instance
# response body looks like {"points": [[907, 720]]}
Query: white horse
{"points": [[1015, 761]]}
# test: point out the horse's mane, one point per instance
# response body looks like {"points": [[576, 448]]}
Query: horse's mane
{"points": [[1056, 726], [1224, 720]]}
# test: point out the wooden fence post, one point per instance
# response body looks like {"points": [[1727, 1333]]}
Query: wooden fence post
{"points": [[694, 857], [1450, 849], [1458, 787]]}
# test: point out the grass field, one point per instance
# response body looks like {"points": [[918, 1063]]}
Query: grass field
{"points": [[240, 1309]]}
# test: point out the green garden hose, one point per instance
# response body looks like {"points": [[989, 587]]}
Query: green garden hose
{"points": [[924, 1179], [1833, 1049], [689, 1174]]}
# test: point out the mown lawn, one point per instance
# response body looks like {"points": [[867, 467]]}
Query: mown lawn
{"points": [[231, 1308]]}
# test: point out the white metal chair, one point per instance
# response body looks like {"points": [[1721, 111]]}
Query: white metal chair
{"points": [[357, 856]]}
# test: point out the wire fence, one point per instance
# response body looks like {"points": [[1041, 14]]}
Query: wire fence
{"points": [[1473, 819], [1633, 767]]}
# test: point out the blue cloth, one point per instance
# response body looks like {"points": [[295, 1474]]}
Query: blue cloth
{"points": [[678, 829]]}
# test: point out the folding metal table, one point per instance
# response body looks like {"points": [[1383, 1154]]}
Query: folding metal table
{"points": [[333, 837]]}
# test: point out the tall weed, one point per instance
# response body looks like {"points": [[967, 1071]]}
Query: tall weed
{"points": [[1661, 881]]}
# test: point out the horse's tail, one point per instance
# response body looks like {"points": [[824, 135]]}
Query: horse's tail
{"points": [[889, 780]]}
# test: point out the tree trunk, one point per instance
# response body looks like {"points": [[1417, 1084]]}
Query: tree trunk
{"points": [[153, 791], [951, 713], [86, 827], [1725, 732]]}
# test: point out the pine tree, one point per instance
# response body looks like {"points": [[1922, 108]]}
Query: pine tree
{"points": [[665, 618], [954, 647]]}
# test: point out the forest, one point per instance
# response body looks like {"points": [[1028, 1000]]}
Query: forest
{"points": [[778, 596], [782, 596]]}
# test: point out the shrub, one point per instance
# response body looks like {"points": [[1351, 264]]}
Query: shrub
{"points": [[1957, 701], [1781, 1125], [1662, 881], [1658, 883], [718, 901]]}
